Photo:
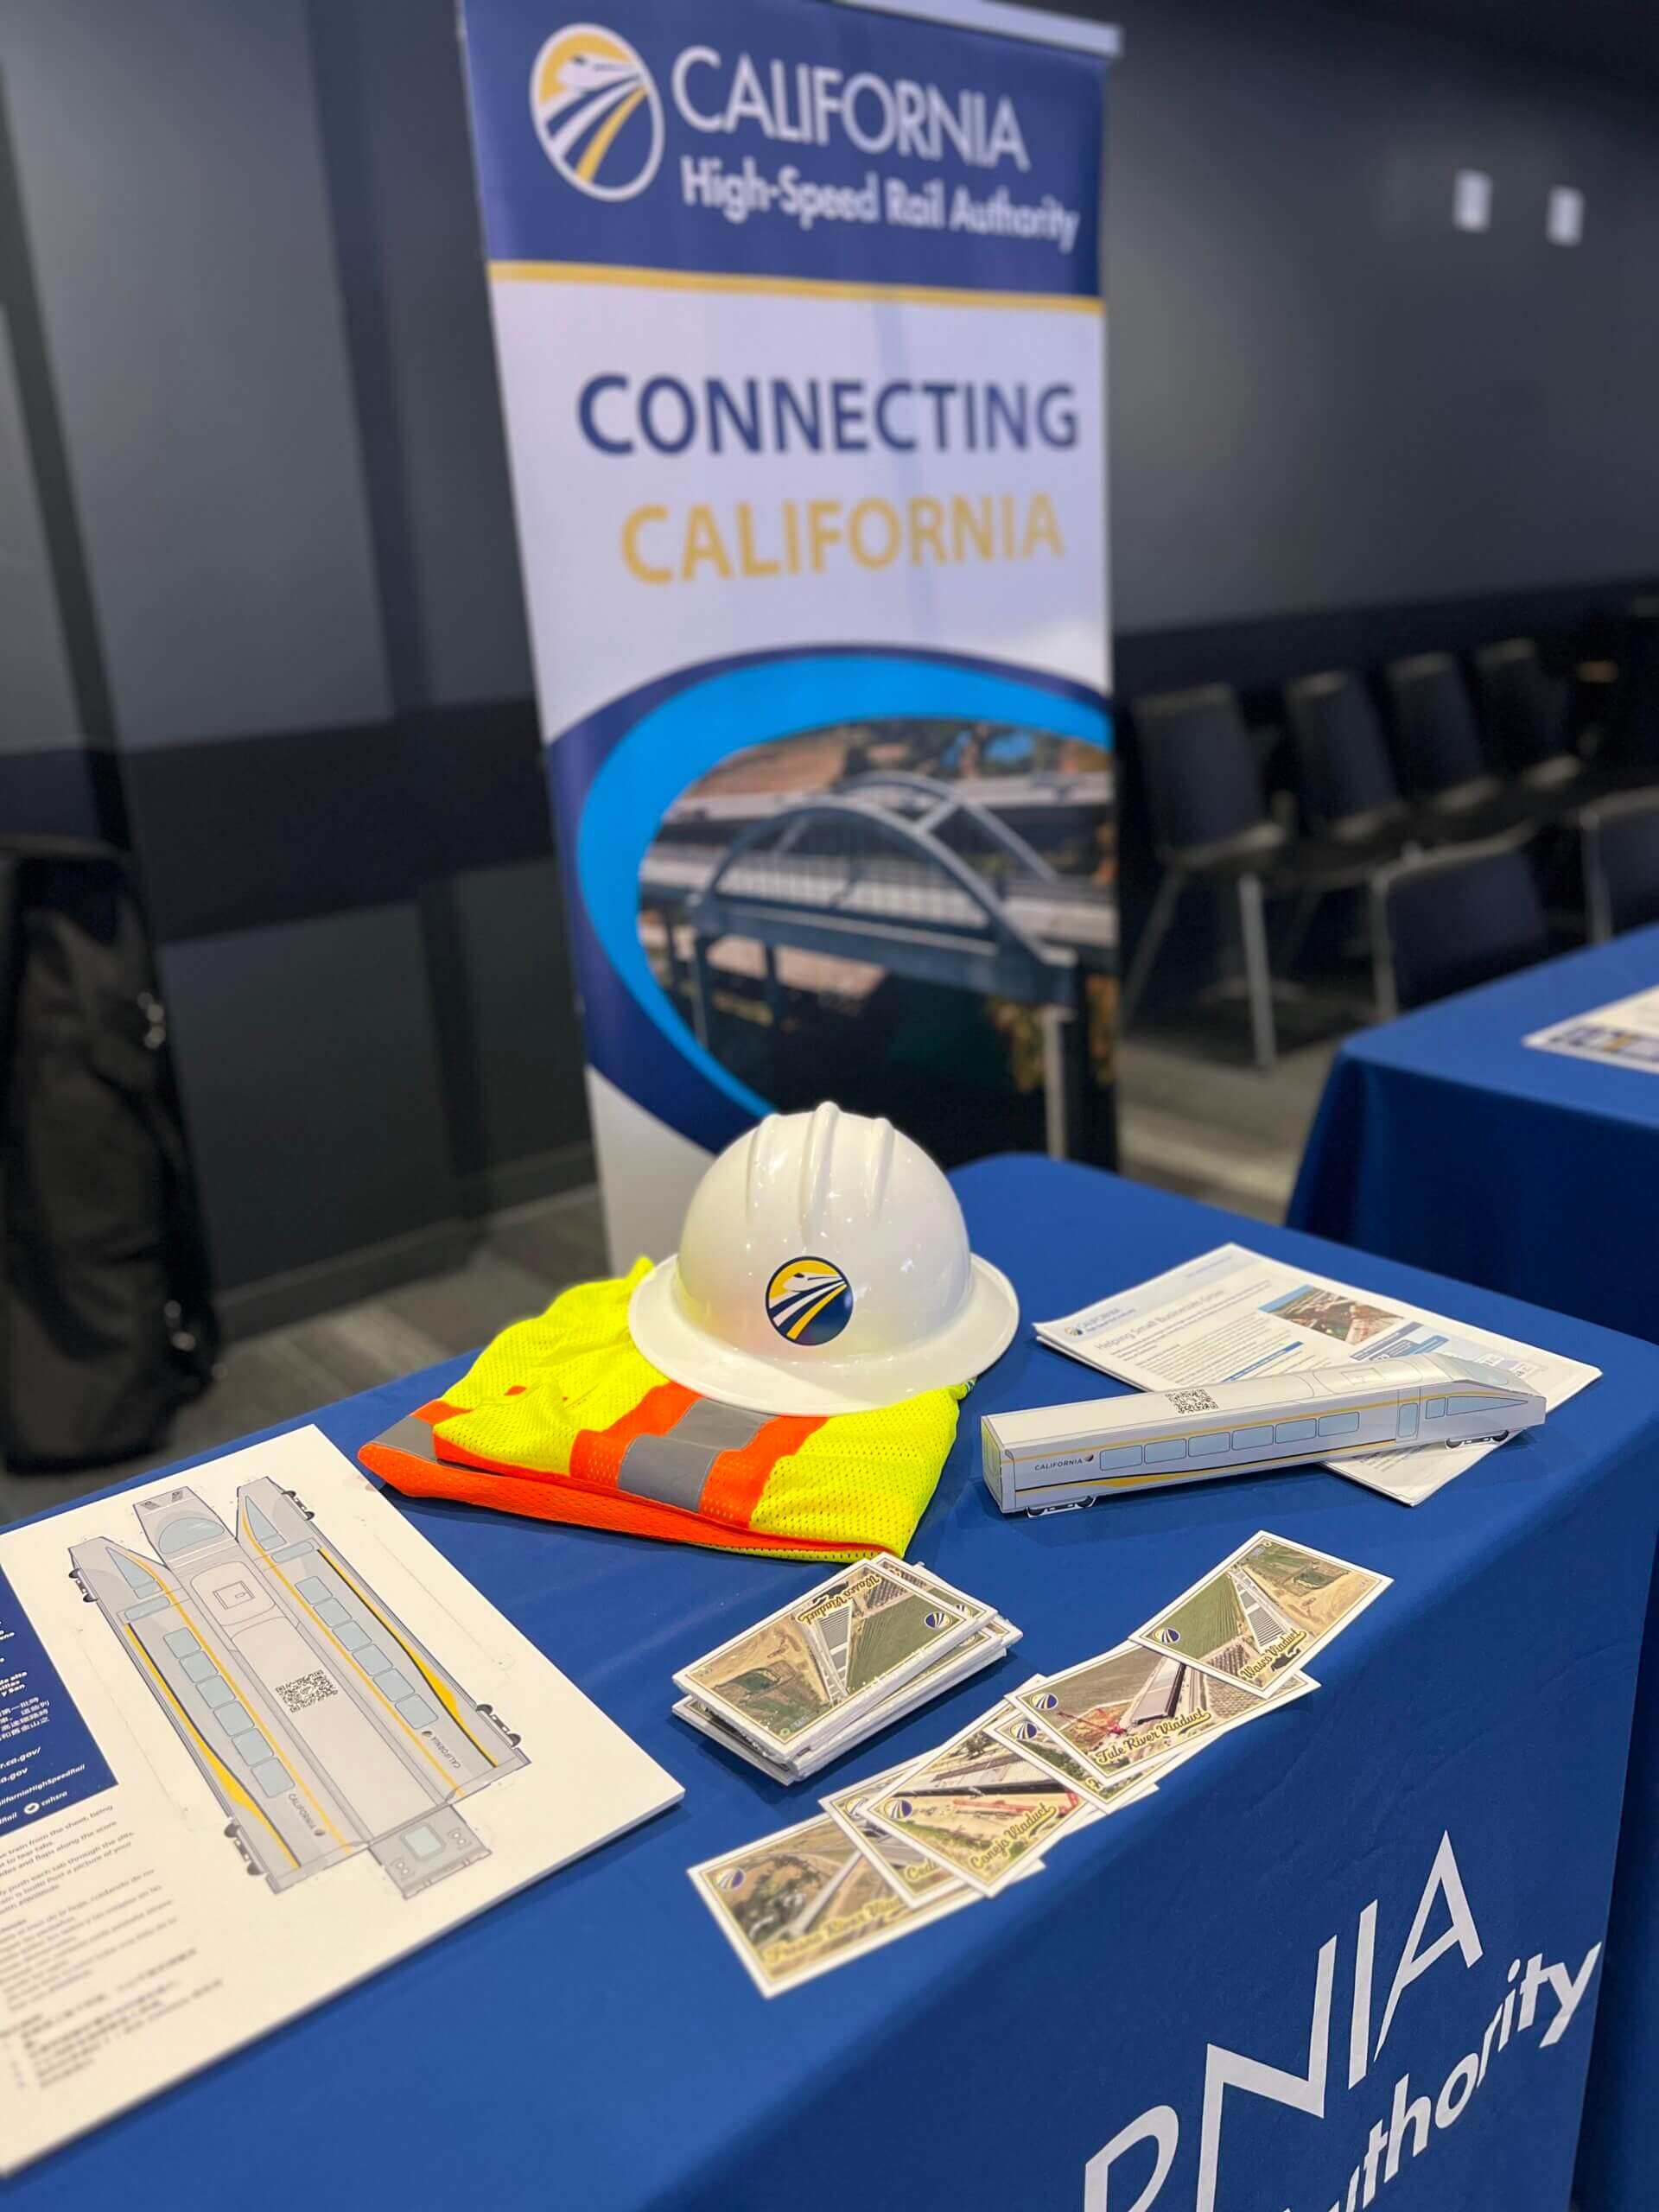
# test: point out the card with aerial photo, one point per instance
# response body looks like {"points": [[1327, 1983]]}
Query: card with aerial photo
{"points": [[808, 1669], [794, 1904], [977, 1650], [719, 1730], [1286, 1691], [1263, 1611], [911, 1872], [1035, 1741], [1133, 1708], [935, 1585], [979, 1805]]}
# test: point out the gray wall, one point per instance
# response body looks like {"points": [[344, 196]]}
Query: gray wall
{"points": [[39, 712], [263, 324], [173, 190], [255, 263], [395, 137], [1323, 394]]}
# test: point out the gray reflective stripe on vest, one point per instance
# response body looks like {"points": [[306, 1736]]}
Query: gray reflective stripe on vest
{"points": [[411, 1436], [673, 1469]]}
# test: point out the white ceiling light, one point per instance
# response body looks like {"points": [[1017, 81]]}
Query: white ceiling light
{"points": [[1564, 225], [1471, 200]]}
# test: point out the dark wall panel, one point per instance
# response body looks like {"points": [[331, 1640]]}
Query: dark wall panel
{"points": [[272, 829], [505, 1002], [399, 165], [1323, 396], [307, 1062], [68, 790]]}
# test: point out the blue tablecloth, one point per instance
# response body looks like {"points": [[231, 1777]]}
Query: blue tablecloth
{"points": [[1443, 1140], [593, 2043]]}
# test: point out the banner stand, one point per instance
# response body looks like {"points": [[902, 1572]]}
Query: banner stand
{"points": [[801, 337]]}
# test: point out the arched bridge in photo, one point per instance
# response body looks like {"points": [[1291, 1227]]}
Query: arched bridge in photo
{"points": [[891, 872]]}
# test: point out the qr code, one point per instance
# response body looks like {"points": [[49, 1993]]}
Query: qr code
{"points": [[306, 1690], [1192, 1401]]}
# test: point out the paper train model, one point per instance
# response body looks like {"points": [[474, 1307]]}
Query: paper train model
{"points": [[323, 1726], [1101, 1447]]}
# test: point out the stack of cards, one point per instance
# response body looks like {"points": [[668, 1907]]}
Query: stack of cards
{"points": [[893, 1852], [806, 1684], [896, 1852]]}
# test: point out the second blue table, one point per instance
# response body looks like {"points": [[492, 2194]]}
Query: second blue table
{"points": [[1444, 1139]]}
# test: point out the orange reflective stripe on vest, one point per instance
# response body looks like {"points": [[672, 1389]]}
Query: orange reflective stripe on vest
{"points": [[560, 1418]]}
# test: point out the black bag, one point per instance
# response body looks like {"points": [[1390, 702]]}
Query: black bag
{"points": [[106, 1319]]}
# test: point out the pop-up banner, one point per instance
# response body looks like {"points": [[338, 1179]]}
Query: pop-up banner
{"points": [[797, 310]]}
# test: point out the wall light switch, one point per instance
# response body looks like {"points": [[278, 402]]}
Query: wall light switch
{"points": [[1564, 225], [1471, 200]]}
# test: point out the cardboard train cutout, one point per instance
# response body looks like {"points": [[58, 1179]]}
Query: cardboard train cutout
{"points": [[322, 1725], [1101, 1447]]}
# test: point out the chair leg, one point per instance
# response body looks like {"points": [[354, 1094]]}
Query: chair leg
{"points": [[1171, 885], [1597, 895], [1065, 1074], [1384, 988], [1257, 969]]}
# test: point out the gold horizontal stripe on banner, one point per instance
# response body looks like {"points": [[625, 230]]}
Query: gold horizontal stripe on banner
{"points": [[800, 288]]}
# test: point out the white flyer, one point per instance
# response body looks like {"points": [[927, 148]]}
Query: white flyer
{"points": [[257, 1740], [1624, 1034], [1233, 1313]]}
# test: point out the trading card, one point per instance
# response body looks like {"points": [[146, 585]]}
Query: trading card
{"points": [[794, 1904], [910, 1873], [1130, 1709], [1263, 1611], [697, 1715], [976, 1650], [810, 1669], [979, 1805], [1030, 1736], [935, 1585], [1284, 1693], [968, 1658]]}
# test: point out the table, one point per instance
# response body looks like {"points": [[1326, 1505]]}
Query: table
{"points": [[1443, 1140], [593, 2043]]}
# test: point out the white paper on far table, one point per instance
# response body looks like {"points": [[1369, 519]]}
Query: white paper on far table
{"points": [[1624, 1034], [1233, 1313]]}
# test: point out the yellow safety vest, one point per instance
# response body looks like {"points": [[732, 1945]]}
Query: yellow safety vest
{"points": [[561, 1418]]}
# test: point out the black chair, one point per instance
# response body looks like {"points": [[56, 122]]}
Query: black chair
{"points": [[1444, 921], [1212, 823], [1524, 719], [1347, 780], [1620, 843], [1437, 750], [1630, 753]]}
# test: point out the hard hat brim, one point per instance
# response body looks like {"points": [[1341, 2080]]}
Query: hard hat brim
{"points": [[863, 1382]]}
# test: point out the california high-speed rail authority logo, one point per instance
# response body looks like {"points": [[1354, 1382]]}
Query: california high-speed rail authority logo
{"points": [[808, 1301], [597, 111]]}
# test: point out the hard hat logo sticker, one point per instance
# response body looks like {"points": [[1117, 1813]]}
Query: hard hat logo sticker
{"points": [[808, 1301]]}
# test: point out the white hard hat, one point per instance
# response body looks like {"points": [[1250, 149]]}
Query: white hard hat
{"points": [[823, 1268]]}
